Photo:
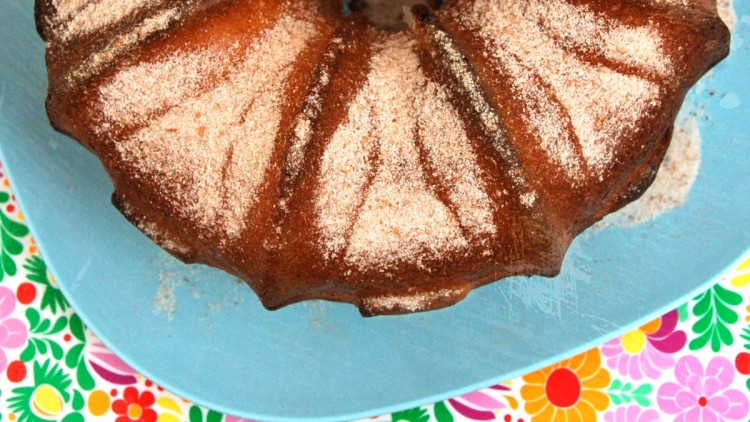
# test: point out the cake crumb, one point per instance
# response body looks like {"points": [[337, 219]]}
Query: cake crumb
{"points": [[165, 301]]}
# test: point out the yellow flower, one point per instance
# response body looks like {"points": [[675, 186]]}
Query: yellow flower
{"points": [[568, 391], [742, 277]]}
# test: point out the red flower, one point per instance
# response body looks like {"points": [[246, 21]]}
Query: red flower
{"points": [[134, 408]]}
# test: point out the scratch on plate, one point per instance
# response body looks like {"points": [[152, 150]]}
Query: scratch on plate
{"points": [[2, 94], [81, 273], [599, 324]]}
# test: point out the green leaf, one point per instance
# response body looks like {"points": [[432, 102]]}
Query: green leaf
{"points": [[10, 231], [11, 246], [699, 342], [412, 415], [4, 197], [43, 326], [73, 356], [746, 336], [195, 414], [8, 265], [715, 315], [20, 403], [32, 315], [85, 380], [52, 298], [56, 349], [442, 414], [643, 390], [642, 401], [703, 324], [715, 342], [728, 316], [727, 296], [74, 417], [703, 304], [683, 312], [615, 399], [76, 328], [28, 353], [624, 393], [14, 228], [78, 400], [725, 335], [60, 325], [214, 416], [41, 346]]}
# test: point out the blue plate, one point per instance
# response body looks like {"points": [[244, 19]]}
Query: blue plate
{"points": [[221, 349]]}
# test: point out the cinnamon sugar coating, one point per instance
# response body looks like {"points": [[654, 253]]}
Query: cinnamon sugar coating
{"points": [[317, 157]]}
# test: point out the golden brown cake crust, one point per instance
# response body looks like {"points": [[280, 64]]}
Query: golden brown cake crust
{"points": [[317, 157]]}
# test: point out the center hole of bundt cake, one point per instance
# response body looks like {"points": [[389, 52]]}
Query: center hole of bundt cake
{"points": [[389, 15]]}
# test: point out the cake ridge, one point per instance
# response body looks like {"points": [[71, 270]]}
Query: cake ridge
{"points": [[467, 81]]}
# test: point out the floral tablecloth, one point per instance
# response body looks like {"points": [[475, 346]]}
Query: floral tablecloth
{"points": [[691, 364]]}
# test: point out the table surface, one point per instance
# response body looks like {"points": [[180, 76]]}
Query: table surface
{"points": [[691, 364]]}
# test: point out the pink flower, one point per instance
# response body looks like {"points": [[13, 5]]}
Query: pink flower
{"points": [[108, 365], [646, 350], [631, 414], [235, 419], [479, 405], [13, 333], [703, 395]]}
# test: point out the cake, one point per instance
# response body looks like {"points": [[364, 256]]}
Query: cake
{"points": [[320, 154]]}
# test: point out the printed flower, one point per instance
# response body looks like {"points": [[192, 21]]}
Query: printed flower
{"points": [[742, 276], [703, 395], [13, 332], [479, 405], [171, 411], [45, 399], [646, 350], [632, 413], [569, 390], [135, 407], [110, 367], [230, 418]]}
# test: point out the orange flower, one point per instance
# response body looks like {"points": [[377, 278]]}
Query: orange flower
{"points": [[570, 390]]}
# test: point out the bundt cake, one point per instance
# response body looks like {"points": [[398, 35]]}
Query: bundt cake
{"points": [[317, 155]]}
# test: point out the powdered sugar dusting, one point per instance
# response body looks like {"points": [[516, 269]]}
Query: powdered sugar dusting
{"points": [[66, 8], [548, 122], [302, 132], [469, 86], [454, 162], [603, 105], [673, 182], [165, 301], [577, 25], [727, 14], [401, 219], [397, 217], [725, 8], [215, 148], [94, 15], [345, 169], [121, 43], [410, 303], [153, 231], [140, 90]]}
